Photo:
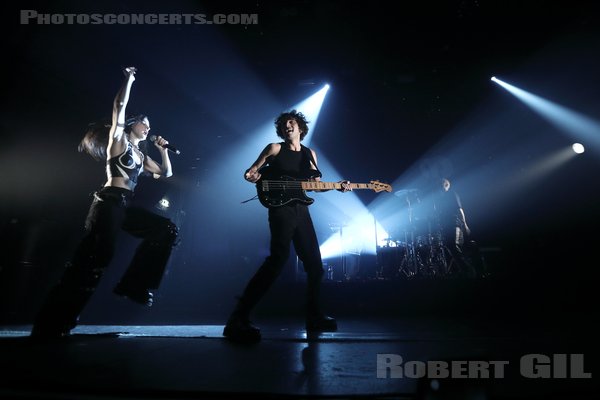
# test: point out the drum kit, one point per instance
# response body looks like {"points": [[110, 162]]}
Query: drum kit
{"points": [[418, 248]]}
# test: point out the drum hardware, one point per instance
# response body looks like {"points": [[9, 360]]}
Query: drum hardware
{"points": [[421, 252], [409, 265], [434, 254], [339, 227]]}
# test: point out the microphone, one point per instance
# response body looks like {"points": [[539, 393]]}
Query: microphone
{"points": [[169, 147]]}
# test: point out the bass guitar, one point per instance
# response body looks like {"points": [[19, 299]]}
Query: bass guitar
{"points": [[285, 189]]}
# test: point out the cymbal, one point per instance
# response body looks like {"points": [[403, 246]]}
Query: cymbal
{"points": [[405, 192]]}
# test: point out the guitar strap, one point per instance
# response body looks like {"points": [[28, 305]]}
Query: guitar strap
{"points": [[308, 154]]}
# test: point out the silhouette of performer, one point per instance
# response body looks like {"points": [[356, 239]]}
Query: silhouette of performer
{"points": [[111, 211], [290, 223], [453, 226]]}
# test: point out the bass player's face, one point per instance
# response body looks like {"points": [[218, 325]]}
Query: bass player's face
{"points": [[292, 130]]}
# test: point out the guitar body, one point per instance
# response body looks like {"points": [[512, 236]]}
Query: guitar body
{"points": [[281, 190]]}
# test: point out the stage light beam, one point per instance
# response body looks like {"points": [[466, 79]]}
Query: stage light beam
{"points": [[311, 107], [569, 121]]}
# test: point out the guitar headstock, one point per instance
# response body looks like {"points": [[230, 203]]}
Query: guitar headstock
{"points": [[380, 187]]}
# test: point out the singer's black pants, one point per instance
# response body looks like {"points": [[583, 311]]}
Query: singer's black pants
{"points": [[288, 224], [109, 213]]}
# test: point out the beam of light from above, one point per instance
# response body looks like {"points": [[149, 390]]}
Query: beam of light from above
{"points": [[311, 107], [344, 213], [359, 230], [361, 235], [228, 175], [535, 171], [507, 154], [575, 124], [241, 155]]}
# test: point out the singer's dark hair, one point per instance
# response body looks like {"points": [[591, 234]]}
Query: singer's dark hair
{"points": [[284, 117], [131, 120], [95, 140]]}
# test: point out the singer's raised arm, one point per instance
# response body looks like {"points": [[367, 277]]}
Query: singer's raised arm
{"points": [[117, 140]]}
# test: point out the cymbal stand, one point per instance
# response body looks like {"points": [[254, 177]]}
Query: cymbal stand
{"points": [[437, 261], [344, 266], [409, 264], [340, 227]]}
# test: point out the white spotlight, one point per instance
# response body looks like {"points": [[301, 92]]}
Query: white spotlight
{"points": [[578, 148], [493, 78], [327, 86], [163, 204]]}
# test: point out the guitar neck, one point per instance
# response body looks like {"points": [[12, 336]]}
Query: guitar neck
{"points": [[313, 185]]}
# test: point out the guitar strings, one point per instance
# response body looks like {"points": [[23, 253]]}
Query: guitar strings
{"points": [[292, 184]]}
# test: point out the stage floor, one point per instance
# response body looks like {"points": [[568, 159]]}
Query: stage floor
{"points": [[195, 361]]}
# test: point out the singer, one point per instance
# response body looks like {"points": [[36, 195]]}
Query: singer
{"points": [[120, 145]]}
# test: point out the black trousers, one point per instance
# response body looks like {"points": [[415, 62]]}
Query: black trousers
{"points": [[109, 213], [453, 237], [288, 224]]}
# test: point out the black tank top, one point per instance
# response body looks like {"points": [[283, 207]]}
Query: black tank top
{"points": [[124, 166], [292, 163]]}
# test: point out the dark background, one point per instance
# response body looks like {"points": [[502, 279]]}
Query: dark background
{"points": [[410, 91]]}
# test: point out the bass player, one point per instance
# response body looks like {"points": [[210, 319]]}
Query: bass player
{"points": [[288, 223]]}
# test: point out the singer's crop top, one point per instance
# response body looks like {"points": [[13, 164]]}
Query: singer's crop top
{"points": [[124, 166]]}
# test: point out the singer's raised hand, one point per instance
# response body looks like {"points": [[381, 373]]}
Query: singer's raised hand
{"points": [[130, 72], [165, 145], [160, 142]]}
